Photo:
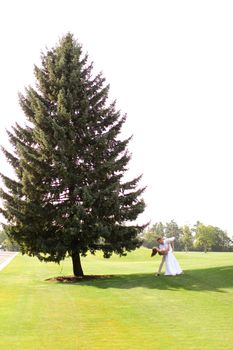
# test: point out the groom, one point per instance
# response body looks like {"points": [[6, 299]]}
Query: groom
{"points": [[164, 244]]}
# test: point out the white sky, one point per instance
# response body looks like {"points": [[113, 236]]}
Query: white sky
{"points": [[170, 67]]}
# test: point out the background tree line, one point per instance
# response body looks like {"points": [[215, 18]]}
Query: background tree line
{"points": [[196, 238], [199, 237]]}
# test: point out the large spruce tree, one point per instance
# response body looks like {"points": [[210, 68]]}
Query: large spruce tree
{"points": [[69, 195]]}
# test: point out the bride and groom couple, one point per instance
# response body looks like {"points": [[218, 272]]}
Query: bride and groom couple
{"points": [[165, 248]]}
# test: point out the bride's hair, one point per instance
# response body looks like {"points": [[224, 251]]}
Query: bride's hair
{"points": [[154, 251]]}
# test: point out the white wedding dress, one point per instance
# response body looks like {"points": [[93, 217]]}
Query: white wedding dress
{"points": [[172, 265]]}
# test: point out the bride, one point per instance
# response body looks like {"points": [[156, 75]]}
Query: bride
{"points": [[172, 265]]}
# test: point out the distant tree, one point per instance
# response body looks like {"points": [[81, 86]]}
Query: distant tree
{"points": [[173, 230], [198, 223], [211, 238], [195, 227], [10, 245], [187, 238], [205, 237], [152, 233], [231, 244], [222, 241], [194, 233], [6, 243], [3, 236], [69, 196]]}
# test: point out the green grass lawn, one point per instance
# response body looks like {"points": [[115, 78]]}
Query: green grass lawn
{"points": [[132, 310]]}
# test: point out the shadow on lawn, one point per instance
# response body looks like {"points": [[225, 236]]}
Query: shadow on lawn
{"points": [[211, 279]]}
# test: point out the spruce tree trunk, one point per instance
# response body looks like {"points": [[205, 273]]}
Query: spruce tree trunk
{"points": [[77, 267]]}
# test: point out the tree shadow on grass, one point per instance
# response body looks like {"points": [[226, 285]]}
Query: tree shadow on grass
{"points": [[211, 279]]}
